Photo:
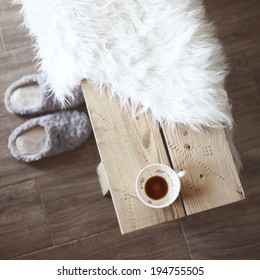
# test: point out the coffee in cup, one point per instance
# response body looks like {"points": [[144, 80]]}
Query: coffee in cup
{"points": [[158, 185]]}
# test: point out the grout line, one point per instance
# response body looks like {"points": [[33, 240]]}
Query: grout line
{"points": [[62, 244], [2, 40], [185, 239], [80, 164], [44, 211], [7, 185]]}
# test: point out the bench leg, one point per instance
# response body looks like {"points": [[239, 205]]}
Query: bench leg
{"points": [[103, 180]]}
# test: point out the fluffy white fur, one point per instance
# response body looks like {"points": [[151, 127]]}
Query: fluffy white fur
{"points": [[160, 53]]}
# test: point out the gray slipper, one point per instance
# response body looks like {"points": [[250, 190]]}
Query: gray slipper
{"points": [[31, 95], [49, 135]]}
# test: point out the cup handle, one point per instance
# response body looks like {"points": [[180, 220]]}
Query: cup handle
{"points": [[181, 173]]}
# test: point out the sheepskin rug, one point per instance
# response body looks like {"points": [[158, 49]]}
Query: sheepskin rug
{"points": [[162, 54]]}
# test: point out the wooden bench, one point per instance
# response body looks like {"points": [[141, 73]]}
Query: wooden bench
{"points": [[128, 144]]}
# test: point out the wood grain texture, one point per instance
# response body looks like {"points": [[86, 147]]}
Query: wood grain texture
{"points": [[127, 145], [237, 23], [212, 179], [15, 37], [15, 60], [208, 235], [228, 232], [74, 205], [9, 14], [164, 241], [22, 218]]}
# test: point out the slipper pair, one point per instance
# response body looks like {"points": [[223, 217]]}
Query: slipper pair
{"points": [[45, 135]]}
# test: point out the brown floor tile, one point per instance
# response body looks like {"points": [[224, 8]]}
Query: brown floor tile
{"points": [[9, 14], [229, 232], [74, 204], [236, 22], [253, 57], [14, 33], [22, 222], [15, 62], [164, 241], [15, 37]]}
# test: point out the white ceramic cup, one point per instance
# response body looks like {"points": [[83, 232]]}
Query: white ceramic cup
{"points": [[169, 176]]}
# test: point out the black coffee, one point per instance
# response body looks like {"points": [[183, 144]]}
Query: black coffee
{"points": [[156, 187]]}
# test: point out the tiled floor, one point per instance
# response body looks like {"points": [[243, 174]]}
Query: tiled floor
{"points": [[54, 209]]}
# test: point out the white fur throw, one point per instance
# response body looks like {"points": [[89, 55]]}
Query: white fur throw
{"points": [[162, 54]]}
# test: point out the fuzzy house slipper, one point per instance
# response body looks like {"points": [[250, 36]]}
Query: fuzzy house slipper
{"points": [[31, 95], [49, 135]]}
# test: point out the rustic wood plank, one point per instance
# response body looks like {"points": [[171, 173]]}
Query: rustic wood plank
{"points": [[23, 227], [127, 145], [212, 179]]}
